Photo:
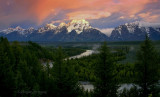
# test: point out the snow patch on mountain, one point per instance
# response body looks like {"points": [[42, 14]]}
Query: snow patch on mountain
{"points": [[131, 27], [147, 24], [119, 29], [47, 27], [7, 31], [78, 25], [18, 29], [143, 24], [62, 24]]}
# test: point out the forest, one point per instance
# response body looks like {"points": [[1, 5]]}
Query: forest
{"points": [[23, 74]]}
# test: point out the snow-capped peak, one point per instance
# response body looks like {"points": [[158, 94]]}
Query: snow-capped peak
{"points": [[78, 25], [31, 29], [47, 27], [147, 24], [144, 24], [9, 30], [79, 21], [18, 28], [62, 24], [141, 25], [50, 26]]}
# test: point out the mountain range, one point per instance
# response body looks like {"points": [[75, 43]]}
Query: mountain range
{"points": [[81, 30]]}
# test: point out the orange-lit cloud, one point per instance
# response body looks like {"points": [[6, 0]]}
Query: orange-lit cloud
{"points": [[88, 15], [12, 11], [149, 17]]}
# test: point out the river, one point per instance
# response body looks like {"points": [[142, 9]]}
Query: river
{"points": [[87, 85], [90, 87], [86, 53]]}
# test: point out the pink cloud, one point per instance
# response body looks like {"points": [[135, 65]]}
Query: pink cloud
{"points": [[12, 11], [88, 15], [150, 17]]}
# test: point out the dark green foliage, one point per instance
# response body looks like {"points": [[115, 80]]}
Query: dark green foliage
{"points": [[106, 84], [72, 51], [22, 74], [7, 84], [39, 51], [126, 73], [19, 70], [84, 67], [64, 79], [25, 71], [147, 67]]}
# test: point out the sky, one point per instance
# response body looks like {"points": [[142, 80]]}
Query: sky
{"points": [[102, 14]]}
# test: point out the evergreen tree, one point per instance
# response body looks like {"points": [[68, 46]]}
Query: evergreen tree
{"points": [[147, 67], [7, 84], [65, 82], [17, 52], [105, 85]]}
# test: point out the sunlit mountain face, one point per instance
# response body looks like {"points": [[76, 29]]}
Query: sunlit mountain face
{"points": [[103, 15]]}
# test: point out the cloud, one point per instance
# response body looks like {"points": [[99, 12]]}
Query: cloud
{"points": [[149, 17], [151, 12], [122, 17], [106, 31], [88, 15], [42, 11]]}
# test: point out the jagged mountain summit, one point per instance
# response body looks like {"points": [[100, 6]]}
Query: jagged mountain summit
{"points": [[81, 30], [77, 25], [76, 30], [136, 31]]}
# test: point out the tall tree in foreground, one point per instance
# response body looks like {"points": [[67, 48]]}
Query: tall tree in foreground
{"points": [[147, 68], [65, 81], [106, 85]]}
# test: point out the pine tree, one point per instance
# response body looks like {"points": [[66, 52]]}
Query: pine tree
{"points": [[147, 67], [65, 82], [106, 85], [6, 73]]}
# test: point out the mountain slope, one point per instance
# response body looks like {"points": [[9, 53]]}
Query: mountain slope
{"points": [[136, 31], [76, 30]]}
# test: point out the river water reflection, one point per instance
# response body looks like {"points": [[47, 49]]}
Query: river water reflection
{"points": [[86, 53]]}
